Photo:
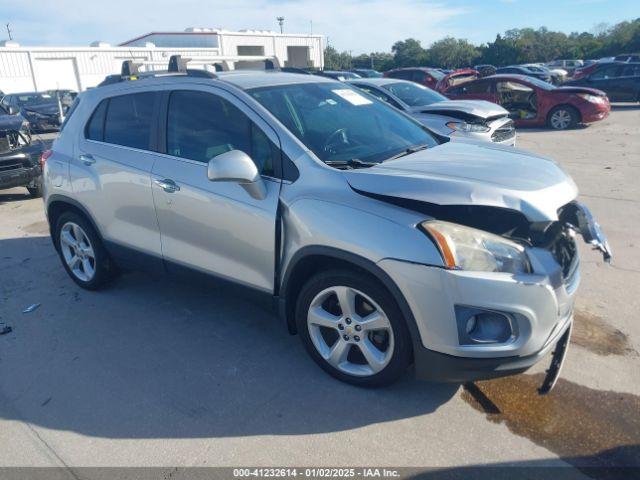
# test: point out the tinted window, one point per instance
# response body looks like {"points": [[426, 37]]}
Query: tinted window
{"points": [[129, 120], [477, 87], [338, 123], [606, 73], [632, 70], [403, 74], [201, 126], [95, 127], [418, 76]]}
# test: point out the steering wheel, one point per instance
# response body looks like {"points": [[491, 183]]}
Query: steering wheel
{"points": [[338, 137]]}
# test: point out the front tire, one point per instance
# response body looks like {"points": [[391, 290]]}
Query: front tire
{"points": [[563, 117], [82, 253], [353, 329]]}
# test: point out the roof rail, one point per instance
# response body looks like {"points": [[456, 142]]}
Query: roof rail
{"points": [[221, 62]]}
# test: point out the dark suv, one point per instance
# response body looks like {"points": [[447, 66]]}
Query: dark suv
{"points": [[620, 81]]}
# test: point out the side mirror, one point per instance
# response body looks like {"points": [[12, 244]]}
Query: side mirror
{"points": [[236, 166]]}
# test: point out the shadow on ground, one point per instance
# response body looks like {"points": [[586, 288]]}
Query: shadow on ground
{"points": [[155, 358]]}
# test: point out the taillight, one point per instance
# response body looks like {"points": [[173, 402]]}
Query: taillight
{"points": [[44, 156]]}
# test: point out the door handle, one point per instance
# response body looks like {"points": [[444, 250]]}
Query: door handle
{"points": [[87, 159], [167, 185]]}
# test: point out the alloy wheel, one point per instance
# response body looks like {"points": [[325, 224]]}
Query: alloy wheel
{"points": [[561, 119], [350, 331], [77, 251]]}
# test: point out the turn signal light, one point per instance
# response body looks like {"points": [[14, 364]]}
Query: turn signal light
{"points": [[44, 156]]}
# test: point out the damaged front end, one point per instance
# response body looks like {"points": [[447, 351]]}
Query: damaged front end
{"points": [[19, 154]]}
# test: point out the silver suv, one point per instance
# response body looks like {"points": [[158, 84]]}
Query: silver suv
{"points": [[383, 244]]}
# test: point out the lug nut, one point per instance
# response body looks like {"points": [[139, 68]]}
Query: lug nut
{"points": [[358, 328], [348, 320], [340, 326], [346, 337], [356, 338]]}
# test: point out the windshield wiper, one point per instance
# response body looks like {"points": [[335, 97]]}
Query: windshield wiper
{"points": [[352, 163], [409, 151]]}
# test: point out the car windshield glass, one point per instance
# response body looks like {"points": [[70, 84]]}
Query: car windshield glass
{"points": [[339, 123], [34, 99], [438, 75], [413, 94], [541, 83]]}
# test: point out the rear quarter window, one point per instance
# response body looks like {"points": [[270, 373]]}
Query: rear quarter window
{"points": [[94, 129]]}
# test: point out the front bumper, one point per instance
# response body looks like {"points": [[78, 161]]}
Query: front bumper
{"points": [[595, 112], [540, 305]]}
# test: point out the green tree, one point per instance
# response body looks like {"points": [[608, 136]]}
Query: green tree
{"points": [[408, 53], [452, 53]]}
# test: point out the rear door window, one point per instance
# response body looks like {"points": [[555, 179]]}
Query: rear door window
{"points": [[631, 71], [129, 120], [606, 73]]}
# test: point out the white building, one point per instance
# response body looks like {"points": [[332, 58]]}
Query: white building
{"points": [[77, 68]]}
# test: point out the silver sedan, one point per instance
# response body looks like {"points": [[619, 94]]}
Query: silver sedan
{"points": [[458, 119]]}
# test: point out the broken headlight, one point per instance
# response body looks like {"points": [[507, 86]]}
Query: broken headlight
{"points": [[467, 248], [468, 127]]}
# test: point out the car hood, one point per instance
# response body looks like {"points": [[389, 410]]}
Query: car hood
{"points": [[11, 123], [45, 108], [477, 108], [459, 173], [577, 89]]}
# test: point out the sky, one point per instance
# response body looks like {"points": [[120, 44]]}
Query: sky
{"points": [[361, 26]]}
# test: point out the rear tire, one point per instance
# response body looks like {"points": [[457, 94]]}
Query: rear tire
{"points": [[82, 253], [366, 343], [563, 117]]}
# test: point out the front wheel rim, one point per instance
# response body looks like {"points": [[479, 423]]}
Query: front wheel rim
{"points": [[77, 251], [561, 119], [350, 331]]}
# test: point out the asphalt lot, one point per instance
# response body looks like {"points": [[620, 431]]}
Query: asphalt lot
{"points": [[153, 372]]}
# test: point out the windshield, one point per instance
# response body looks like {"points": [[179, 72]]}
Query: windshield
{"points": [[413, 94], [540, 83], [437, 74], [33, 99], [338, 123]]}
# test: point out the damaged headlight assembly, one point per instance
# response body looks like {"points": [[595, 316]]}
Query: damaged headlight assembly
{"points": [[466, 248], [468, 127]]}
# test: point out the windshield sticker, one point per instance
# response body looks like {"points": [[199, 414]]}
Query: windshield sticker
{"points": [[354, 98]]}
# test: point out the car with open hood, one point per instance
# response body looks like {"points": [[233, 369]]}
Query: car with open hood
{"points": [[43, 111], [532, 102], [457, 119], [381, 243], [19, 153]]}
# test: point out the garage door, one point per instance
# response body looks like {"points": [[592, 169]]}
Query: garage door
{"points": [[56, 73]]}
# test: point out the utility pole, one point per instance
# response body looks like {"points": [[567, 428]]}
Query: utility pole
{"points": [[281, 23], [9, 31]]}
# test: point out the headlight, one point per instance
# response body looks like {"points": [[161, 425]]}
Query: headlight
{"points": [[591, 98], [476, 250], [468, 127]]}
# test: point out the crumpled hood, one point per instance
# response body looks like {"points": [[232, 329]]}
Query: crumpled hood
{"points": [[10, 123], [457, 173], [45, 109], [477, 108]]}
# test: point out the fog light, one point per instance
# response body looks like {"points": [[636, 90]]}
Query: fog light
{"points": [[489, 327], [484, 326]]}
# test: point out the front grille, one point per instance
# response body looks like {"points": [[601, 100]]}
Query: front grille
{"points": [[7, 167], [504, 133]]}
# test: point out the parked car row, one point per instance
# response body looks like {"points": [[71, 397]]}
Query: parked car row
{"points": [[384, 244]]}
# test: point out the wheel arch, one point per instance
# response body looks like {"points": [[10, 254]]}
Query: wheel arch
{"points": [[59, 204], [313, 259]]}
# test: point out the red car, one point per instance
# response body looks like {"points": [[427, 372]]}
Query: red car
{"points": [[532, 102], [429, 77]]}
